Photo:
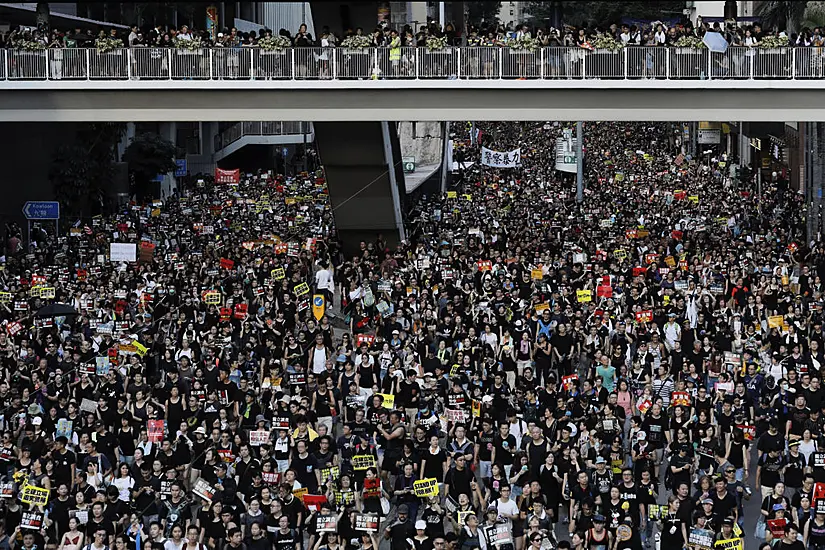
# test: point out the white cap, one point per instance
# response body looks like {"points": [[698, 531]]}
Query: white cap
{"points": [[421, 524], [36, 421]]}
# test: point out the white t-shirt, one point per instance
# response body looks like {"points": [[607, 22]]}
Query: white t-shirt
{"points": [[510, 508]]}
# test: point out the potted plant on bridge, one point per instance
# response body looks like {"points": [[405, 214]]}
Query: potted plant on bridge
{"points": [[780, 60], [272, 62], [356, 61], [523, 51], [605, 58], [689, 57]]}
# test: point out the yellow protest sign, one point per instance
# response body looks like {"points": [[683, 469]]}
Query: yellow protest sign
{"points": [[300, 493], [670, 261], [389, 400], [462, 516], [452, 195], [34, 495], [776, 321], [34, 292], [620, 254], [476, 408], [730, 544], [140, 349], [5, 297], [467, 197], [536, 274], [301, 289], [156, 212], [47, 292], [212, 298], [362, 462], [278, 273], [583, 296], [426, 487]]}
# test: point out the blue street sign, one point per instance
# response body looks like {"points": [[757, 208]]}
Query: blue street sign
{"points": [[318, 301], [41, 210], [182, 169], [158, 178]]}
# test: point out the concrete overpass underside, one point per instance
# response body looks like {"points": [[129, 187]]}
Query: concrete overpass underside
{"points": [[411, 100], [365, 179]]}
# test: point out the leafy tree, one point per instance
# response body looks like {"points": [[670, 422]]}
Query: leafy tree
{"points": [[483, 14], [814, 16], [149, 155], [781, 14], [82, 168], [43, 17]]}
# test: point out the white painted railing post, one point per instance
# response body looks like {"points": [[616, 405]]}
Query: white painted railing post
{"points": [[292, 58], [793, 63], [88, 63], [624, 55]]}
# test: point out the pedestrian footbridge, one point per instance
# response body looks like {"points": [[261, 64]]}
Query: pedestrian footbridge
{"points": [[338, 84]]}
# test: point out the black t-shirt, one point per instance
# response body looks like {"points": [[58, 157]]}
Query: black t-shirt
{"points": [[671, 532]]}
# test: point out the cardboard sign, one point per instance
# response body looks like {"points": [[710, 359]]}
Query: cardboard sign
{"points": [[364, 339], [258, 437], [366, 522], [203, 489], [301, 289], [776, 321], [123, 252], [583, 296], [363, 462], [498, 534], [426, 487], [700, 539], [31, 520], [645, 316], [240, 311], [155, 430], [88, 405], [730, 544], [680, 399], [567, 381], [328, 524], [389, 400], [604, 291], [30, 494], [64, 428]]}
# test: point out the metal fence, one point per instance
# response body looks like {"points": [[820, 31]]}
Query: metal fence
{"points": [[636, 62], [265, 128]]}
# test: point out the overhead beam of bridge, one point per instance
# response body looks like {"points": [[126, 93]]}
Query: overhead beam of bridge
{"points": [[334, 101]]}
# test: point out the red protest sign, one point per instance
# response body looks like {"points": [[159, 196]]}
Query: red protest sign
{"points": [[604, 291], [226, 313], [240, 311], [676, 235], [485, 265], [232, 177], [227, 264], [567, 381], [155, 430], [644, 316], [651, 258], [639, 271], [364, 339]]}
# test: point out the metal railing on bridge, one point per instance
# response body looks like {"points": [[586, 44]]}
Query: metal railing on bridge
{"points": [[631, 63], [265, 128]]}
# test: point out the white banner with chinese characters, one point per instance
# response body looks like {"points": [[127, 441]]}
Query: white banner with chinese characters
{"points": [[500, 159]]}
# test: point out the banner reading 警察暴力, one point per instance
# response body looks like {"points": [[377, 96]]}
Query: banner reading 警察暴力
{"points": [[500, 159]]}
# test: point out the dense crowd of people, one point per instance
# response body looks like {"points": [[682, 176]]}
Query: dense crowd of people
{"points": [[653, 34], [525, 371]]}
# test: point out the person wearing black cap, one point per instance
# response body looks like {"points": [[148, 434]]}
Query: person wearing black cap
{"points": [[597, 536]]}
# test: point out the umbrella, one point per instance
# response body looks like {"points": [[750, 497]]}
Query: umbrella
{"points": [[715, 42], [55, 310]]}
